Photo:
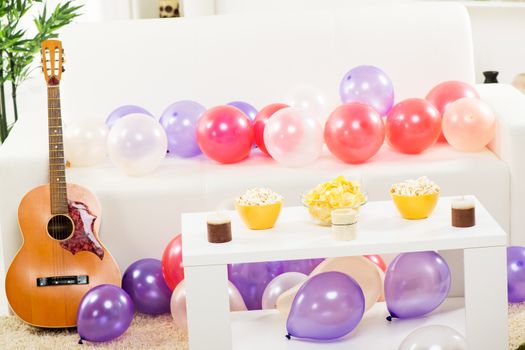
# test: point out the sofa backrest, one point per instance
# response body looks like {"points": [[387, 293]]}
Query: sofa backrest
{"points": [[260, 58]]}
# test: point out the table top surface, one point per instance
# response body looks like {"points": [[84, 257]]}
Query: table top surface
{"points": [[295, 236]]}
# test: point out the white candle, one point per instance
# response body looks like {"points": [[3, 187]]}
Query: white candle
{"points": [[344, 224]]}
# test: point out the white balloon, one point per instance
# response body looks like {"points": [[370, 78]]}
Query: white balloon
{"points": [[293, 138], [85, 142], [137, 144], [311, 100], [279, 285], [435, 338]]}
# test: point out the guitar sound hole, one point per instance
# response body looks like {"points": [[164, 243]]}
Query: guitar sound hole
{"points": [[60, 227]]}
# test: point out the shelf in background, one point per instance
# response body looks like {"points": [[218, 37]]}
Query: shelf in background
{"points": [[265, 329]]}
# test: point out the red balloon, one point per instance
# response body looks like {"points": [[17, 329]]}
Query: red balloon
{"points": [[225, 134], [413, 125], [172, 268], [443, 94], [378, 260], [354, 132], [260, 122]]}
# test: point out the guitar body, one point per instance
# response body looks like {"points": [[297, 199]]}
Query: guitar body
{"points": [[40, 283]]}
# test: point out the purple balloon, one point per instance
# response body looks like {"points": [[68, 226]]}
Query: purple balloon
{"points": [[303, 266], [251, 280], [105, 312], [180, 122], [416, 284], [327, 306], [246, 108], [516, 274], [145, 285], [368, 85], [122, 111]]}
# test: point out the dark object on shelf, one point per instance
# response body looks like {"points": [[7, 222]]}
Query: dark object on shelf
{"points": [[219, 229], [169, 8], [491, 77]]}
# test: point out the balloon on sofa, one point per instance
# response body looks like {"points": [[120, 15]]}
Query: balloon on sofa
{"points": [[178, 303], [469, 124], [104, 313], [369, 85], [435, 337], [293, 138], [359, 268], [252, 278], [123, 111], [327, 306], [85, 142], [137, 144], [354, 132], [279, 285], [412, 126], [225, 134], [516, 274], [443, 94], [179, 120], [172, 268], [260, 121], [416, 284], [144, 283], [310, 100]]}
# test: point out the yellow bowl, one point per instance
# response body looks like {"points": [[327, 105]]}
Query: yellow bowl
{"points": [[259, 217], [415, 207]]}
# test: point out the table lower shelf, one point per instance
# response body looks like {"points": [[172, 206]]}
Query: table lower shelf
{"points": [[265, 329]]}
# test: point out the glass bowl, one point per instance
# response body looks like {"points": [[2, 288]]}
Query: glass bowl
{"points": [[322, 215]]}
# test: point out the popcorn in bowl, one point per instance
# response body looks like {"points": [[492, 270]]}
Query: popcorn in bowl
{"points": [[419, 187], [259, 196], [330, 195]]}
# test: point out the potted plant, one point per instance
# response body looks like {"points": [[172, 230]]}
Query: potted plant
{"points": [[18, 49]]}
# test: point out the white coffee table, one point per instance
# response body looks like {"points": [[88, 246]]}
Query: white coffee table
{"points": [[482, 315]]}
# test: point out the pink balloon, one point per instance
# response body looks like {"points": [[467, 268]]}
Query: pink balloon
{"points": [[354, 132], [443, 94], [412, 126], [469, 124], [178, 303], [293, 138], [260, 122], [225, 134]]}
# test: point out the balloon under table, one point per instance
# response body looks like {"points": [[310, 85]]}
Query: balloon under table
{"points": [[481, 315]]}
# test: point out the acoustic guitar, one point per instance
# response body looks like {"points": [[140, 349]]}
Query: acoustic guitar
{"points": [[61, 257]]}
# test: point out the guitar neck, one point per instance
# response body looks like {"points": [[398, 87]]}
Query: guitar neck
{"points": [[57, 169]]}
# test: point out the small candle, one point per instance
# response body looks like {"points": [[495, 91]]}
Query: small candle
{"points": [[344, 224], [463, 212], [219, 228]]}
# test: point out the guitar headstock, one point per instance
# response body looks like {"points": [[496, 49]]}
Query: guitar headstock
{"points": [[52, 61]]}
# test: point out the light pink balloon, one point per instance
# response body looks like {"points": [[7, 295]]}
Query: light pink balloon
{"points": [[279, 285], [293, 137], [469, 124], [178, 303]]}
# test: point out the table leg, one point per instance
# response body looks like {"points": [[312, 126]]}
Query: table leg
{"points": [[486, 298], [208, 307]]}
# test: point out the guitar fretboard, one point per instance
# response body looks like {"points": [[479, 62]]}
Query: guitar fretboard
{"points": [[57, 169]]}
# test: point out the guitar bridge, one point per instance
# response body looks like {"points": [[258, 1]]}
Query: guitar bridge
{"points": [[61, 280]]}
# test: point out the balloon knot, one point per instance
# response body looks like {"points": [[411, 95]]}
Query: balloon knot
{"points": [[80, 341], [288, 336], [389, 318]]}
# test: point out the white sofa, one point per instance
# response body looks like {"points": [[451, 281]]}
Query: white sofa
{"points": [[258, 58]]}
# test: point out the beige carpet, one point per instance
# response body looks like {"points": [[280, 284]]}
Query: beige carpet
{"points": [[148, 332], [145, 333]]}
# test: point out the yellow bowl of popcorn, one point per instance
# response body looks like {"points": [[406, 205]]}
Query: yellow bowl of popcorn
{"points": [[328, 196], [415, 199], [259, 208]]}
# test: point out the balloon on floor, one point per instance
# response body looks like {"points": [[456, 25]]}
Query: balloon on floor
{"points": [[516, 274], [172, 268], [434, 337], [279, 285]]}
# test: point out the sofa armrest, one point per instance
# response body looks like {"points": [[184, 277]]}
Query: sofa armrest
{"points": [[509, 145]]}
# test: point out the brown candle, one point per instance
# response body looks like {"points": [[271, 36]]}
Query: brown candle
{"points": [[219, 228], [463, 213]]}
